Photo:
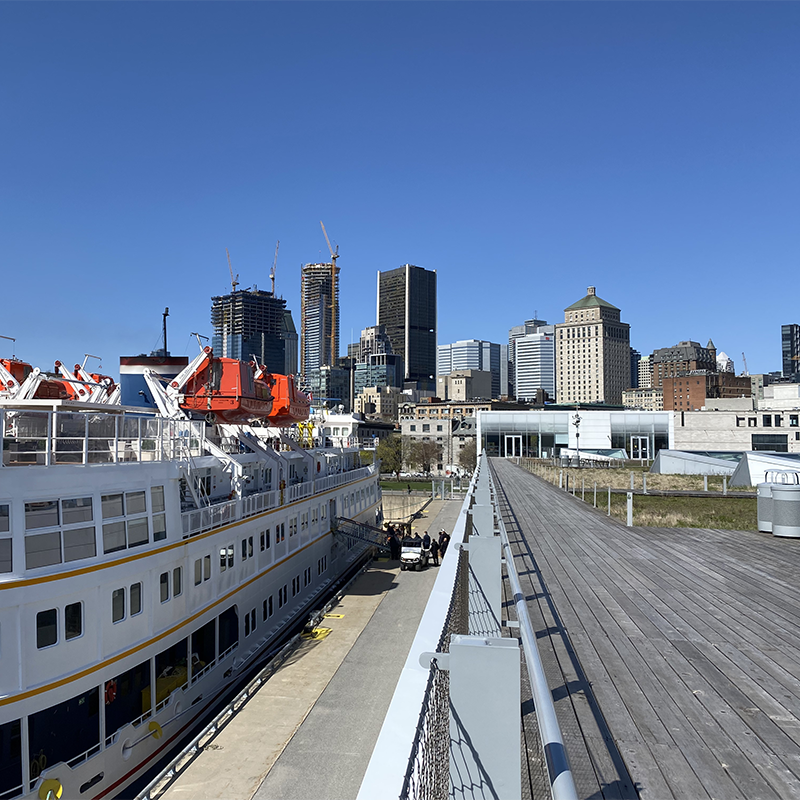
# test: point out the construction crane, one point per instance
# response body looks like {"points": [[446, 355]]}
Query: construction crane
{"points": [[334, 256], [274, 267], [234, 281], [744, 361]]}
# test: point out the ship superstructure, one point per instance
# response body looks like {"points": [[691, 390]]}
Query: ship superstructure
{"points": [[146, 560]]}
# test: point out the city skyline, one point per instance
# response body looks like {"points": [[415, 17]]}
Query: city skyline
{"points": [[647, 149]]}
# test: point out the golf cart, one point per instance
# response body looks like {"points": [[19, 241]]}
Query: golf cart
{"points": [[413, 555]]}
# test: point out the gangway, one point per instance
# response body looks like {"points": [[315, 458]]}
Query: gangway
{"points": [[361, 532]]}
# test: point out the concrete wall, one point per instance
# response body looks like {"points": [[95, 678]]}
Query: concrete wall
{"points": [[399, 506]]}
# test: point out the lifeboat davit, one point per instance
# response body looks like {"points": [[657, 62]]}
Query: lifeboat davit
{"points": [[290, 404], [19, 371], [228, 389]]}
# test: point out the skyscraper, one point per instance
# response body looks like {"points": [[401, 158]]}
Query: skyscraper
{"points": [[474, 354], [319, 317], [534, 364], [593, 352], [249, 324], [790, 350], [529, 326], [407, 307]]}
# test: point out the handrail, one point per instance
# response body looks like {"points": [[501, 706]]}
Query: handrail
{"points": [[562, 784]]}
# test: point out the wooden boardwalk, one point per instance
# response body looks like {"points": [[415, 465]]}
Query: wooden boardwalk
{"points": [[673, 654]]}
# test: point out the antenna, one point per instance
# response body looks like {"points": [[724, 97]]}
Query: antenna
{"points": [[274, 267]]}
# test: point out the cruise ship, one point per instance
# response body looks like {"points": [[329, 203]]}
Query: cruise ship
{"points": [[149, 557]]}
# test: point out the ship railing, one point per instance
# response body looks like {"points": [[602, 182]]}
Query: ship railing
{"points": [[201, 520], [93, 750], [45, 438], [14, 791], [204, 671]]}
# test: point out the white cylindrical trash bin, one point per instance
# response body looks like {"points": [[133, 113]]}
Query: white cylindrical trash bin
{"points": [[764, 506], [786, 511]]}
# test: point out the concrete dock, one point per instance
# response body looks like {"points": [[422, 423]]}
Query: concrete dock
{"points": [[310, 729]]}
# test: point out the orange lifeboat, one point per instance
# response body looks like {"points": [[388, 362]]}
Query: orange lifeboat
{"points": [[228, 389], [290, 404], [19, 372]]}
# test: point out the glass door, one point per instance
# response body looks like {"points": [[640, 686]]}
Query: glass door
{"points": [[513, 446]]}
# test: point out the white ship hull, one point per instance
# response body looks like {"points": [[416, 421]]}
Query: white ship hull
{"points": [[123, 616]]}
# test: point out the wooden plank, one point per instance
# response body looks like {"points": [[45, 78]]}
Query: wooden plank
{"points": [[689, 642]]}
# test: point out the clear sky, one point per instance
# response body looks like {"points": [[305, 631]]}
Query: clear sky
{"points": [[523, 150]]}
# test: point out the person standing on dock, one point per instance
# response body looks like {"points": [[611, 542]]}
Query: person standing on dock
{"points": [[444, 540], [435, 552]]}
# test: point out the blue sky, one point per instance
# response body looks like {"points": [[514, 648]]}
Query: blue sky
{"points": [[523, 150]]}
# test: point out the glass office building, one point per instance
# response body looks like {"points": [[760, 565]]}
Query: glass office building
{"points": [[543, 434]]}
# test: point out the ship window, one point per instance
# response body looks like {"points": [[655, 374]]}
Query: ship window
{"points": [[265, 539], [117, 605], [136, 599], [79, 543], [244, 549], [42, 550], [46, 628], [6, 564], [246, 624], [177, 581], [65, 732], [228, 629], [11, 748], [170, 670], [113, 537], [159, 527], [4, 517], [163, 586], [78, 510], [223, 559], [230, 555], [206, 568], [157, 498], [73, 620], [198, 572], [113, 506], [131, 694], [136, 502], [41, 515], [204, 646], [250, 546], [253, 620], [138, 532]]}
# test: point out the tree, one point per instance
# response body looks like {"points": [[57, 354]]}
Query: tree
{"points": [[422, 454], [390, 453], [468, 457]]}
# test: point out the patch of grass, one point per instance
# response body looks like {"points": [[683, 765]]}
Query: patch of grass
{"points": [[402, 486], [724, 513], [621, 479]]}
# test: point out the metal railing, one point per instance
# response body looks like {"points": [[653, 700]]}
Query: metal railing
{"points": [[421, 711], [45, 438]]}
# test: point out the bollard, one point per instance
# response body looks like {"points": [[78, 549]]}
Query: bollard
{"points": [[582, 490], [630, 509], [705, 483], [631, 481], [561, 479], [609, 501], [594, 504], [644, 483], [725, 484]]}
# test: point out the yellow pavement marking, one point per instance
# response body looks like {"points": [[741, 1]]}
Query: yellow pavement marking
{"points": [[334, 616], [317, 634]]}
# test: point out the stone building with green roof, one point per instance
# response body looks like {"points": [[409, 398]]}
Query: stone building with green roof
{"points": [[593, 353]]}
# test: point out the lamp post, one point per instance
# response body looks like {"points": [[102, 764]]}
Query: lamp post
{"points": [[576, 421]]}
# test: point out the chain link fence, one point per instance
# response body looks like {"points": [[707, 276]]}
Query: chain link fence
{"points": [[428, 773]]}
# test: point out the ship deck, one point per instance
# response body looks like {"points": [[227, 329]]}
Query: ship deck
{"points": [[673, 654]]}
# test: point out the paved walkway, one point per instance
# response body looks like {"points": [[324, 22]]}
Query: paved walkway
{"points": [[673, 654], [310, 730]]}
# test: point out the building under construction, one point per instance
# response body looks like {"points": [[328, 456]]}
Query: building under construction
{"points": [[319, 317], [254, 325]]}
